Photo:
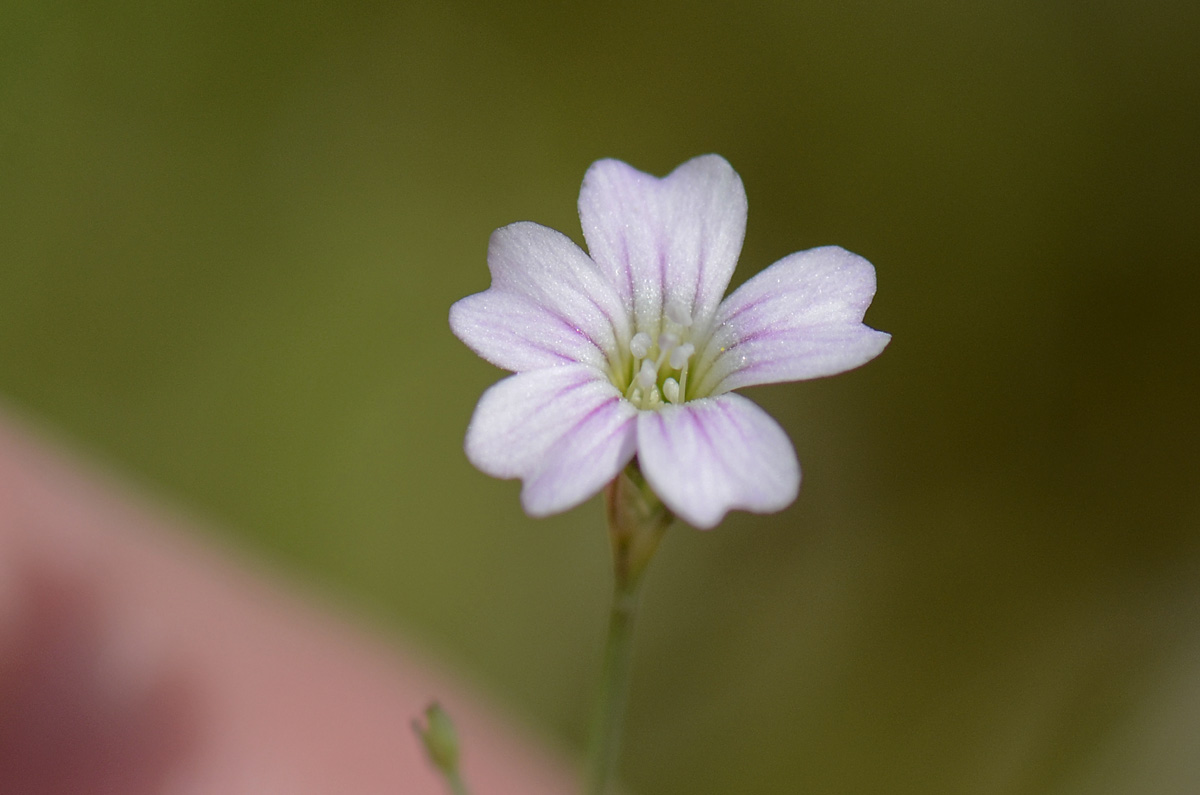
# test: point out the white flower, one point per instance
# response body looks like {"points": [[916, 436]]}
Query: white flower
{"points": [[631, 351]]}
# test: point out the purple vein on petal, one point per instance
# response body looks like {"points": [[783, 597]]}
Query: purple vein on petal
{"points": [[735, 421], [767, 334], [662, 430], [589, 416], [552, 352], [764, 333], [563, 391], [619, 429], [662, 277], [591, 413], [702, 432], [701, 269], [762, 299], [567, 324], [628, 269], [612, 323]]}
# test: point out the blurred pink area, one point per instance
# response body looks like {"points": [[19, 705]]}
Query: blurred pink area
{"points": [[135, 660]]}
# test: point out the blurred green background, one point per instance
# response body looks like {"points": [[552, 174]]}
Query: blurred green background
{"points": [[230, 234]]}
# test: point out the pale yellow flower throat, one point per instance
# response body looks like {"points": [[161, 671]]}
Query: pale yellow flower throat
{"points": [[660, 367]]}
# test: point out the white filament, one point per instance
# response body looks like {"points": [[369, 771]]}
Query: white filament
{"points": [[643, 390]]}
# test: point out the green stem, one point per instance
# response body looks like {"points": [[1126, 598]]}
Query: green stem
{"points": [[608, 719], [636, 521]]}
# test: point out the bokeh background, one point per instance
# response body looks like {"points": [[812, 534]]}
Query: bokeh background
{"points": [[230, 234]]}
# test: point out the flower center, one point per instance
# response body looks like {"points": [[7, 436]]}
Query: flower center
{"points": [[659, 370]]}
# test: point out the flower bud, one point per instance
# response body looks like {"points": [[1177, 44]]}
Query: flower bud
{"points": [[440, 738]]}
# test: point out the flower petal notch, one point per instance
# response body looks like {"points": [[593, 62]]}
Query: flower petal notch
{"points": [[628, 350]]}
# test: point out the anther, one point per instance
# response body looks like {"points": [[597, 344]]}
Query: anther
{"points": [[670, 390], [648, 375], [639, 346], [680, 355], [677, 313], [666, 342]]}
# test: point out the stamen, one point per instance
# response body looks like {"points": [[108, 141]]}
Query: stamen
{"points": [[680, 355], [648, 375], [639, 346], [643, 389], [670, 390]]}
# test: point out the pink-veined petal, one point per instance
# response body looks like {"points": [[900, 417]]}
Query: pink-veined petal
{"points": [[513, 332], [800, 318], [709, 456], [588, 456], [662, 241], [548, 303], [568, 416]]}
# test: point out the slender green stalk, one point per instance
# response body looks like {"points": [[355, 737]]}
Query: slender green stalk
{"points": [[636, 522], [608, 719]]}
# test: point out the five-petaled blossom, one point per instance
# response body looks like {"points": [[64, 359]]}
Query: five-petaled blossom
{"points": [[629, 350]]}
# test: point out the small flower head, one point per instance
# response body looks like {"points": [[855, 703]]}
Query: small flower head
{"points": [[630, 350]]}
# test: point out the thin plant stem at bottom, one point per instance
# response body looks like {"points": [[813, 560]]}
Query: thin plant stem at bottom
{"points": [[608, 719], [636, 520]]}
